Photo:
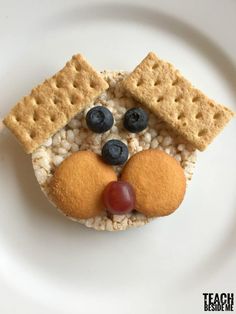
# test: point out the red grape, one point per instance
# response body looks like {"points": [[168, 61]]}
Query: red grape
{"points": [[119, 197]]}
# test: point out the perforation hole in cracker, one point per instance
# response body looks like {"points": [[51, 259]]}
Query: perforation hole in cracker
{"points": [[35, 116], [178, 99], [140, 82], [92, 84], [17, 119], [53, 118], [59, 84], [55, 100], [155, 66], [38, 100], [195, 99], [157, 82], [32, 134], [75, 84], [159, 99], [202, 132], [217, 116], [181, 115], [74, 99], [199, 115]]}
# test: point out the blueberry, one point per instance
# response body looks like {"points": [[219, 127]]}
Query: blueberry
{"points": [[135, 120], [115, 152], [99, 119]]}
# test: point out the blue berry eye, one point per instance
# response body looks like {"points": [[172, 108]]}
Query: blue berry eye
{"points": [[115, 152], [135, 120], [99, 119]]}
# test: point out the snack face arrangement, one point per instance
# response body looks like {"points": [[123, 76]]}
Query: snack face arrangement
{"points": [[113, 150]]}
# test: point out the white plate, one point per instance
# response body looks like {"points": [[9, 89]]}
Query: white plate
{"points": [[51, 265]]}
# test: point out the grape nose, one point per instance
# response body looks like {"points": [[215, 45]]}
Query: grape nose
{"points": [[119, 197]]}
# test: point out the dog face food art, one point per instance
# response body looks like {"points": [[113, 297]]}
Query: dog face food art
{"points": [[109, 149]]}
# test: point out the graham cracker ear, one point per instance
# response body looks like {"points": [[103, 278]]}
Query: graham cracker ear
{"points": [[163, 90], [51, 105]]}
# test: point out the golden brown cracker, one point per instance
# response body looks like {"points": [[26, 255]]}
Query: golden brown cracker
{"points": [[52, 104], [158, 181], [78, 183], [162, 89]]}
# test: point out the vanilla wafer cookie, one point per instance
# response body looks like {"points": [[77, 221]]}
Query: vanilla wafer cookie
{"points": [[52, 104], [161, 88]]}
